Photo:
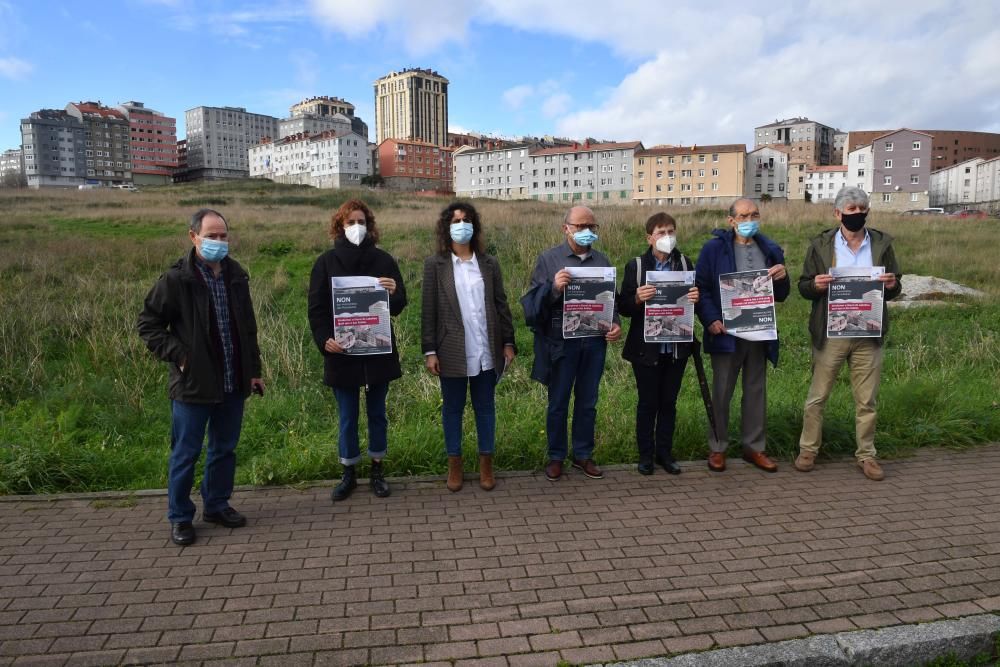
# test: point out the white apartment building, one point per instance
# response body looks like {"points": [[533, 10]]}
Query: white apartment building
{"points": [[218, 140], [495, 173], [860, 170], [599, 173], [823, 183], [325, 160], [956, 184], [988, 184], [767, 173]]}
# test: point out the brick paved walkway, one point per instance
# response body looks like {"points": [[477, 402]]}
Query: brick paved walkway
{"points": [[532, 573]]}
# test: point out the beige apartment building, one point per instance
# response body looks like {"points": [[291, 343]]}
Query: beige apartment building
{"points": [[689, 175], [412, 105]]}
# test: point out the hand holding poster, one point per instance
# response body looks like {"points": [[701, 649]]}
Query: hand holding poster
{"points": [[669, 315], [854, 302], [748, 305], [361, 315], [589, 302]]}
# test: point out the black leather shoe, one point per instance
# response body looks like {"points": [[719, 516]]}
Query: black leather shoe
{"points": [[646, 468], [376, 479], [348, 482], [669, 465], [182, 533], [228, 517]]}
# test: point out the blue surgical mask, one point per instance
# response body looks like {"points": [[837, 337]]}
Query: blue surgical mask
{"points": [[748, 228], [585, 237], [213, 251], [461, 232]]}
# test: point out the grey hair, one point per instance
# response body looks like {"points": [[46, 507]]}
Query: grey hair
{"points": [[851, 195], [732, 207], [566, 217], [203, 213]]}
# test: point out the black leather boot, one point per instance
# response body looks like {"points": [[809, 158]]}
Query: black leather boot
{"points": [[380, 487], [348, 483]]}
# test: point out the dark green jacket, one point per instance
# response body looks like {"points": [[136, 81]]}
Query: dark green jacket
{"points": [[819, 259]]}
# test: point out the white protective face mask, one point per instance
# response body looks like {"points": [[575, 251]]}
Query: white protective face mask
{"points": [[666, 244], [356, 233]]}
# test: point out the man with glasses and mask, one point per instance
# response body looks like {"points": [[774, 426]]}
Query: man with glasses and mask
{"points": [[851, 244], [200, 320], [572, 365], [739, 248]]}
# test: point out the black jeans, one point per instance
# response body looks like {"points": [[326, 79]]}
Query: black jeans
{"points": [[656, 412]]}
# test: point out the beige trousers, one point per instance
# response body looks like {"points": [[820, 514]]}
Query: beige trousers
{"points": [[864, 358]]}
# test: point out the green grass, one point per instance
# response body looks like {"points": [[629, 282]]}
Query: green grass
{"points": [[83, 404]]}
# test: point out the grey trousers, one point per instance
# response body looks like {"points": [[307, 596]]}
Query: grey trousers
{"points": [[750, 358]]}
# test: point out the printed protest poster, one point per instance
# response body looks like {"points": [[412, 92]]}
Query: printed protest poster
{"points": [[748, 305], [854, 302], [669, 315], [589, 302], [361, 315]]}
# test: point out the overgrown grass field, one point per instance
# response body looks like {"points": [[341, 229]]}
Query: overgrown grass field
{"points": [[83, 405]]}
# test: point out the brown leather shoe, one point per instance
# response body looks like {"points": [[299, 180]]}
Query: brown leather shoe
{"points": [[872, 470], [486, 479], [454, 473], [760, 460], [589, 468], [717, 461], [553, 470], [805, 461]]}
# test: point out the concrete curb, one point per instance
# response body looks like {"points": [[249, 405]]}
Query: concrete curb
{"points": [[899, 646]]}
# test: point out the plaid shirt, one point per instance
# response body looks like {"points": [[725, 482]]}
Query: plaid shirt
{"points": [[220, 303]]}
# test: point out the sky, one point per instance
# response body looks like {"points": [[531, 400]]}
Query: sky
{"points": [[658, 71]]}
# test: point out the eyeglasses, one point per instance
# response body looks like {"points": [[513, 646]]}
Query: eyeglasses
{"points": [[592, 227], [747, 216]]}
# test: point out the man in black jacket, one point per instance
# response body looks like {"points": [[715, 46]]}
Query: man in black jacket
{"points": [[200, 320]]}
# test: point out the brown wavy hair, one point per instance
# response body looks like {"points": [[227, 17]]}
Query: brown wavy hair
{"points": [[348, 207], [444, 227]]}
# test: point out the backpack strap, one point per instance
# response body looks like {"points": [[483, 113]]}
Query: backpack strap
{"points": [[638, 272]]}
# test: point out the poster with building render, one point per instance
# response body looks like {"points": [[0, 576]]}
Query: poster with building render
{"points": [[361, 315], [854, 302], [748, 305], [669, 315], [589, 302]]}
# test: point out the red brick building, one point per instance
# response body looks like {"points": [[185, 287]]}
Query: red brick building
{"points": [[154, 144], [408, 164]]}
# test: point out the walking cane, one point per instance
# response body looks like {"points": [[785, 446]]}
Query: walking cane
{"points": [[706, 394]]}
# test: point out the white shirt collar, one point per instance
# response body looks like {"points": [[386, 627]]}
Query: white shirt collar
{"points": [[456, 260]]}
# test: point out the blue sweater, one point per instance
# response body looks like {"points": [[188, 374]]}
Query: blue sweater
{"points": [[716, 258]]}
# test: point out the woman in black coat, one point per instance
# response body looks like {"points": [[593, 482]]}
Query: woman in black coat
{"points": [[658, 367], [354, 253]]}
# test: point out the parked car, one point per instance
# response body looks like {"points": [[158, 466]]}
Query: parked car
{"points": [[968, 213], [924, 211]]}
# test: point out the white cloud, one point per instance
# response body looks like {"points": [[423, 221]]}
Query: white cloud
{"points": [[421, 27], [15, 68], [556, 104], [514, 98]]}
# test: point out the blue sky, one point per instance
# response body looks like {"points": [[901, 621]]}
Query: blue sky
{"points": [[657, 71]]}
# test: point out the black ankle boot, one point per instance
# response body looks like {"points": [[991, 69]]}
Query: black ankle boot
{"points": [[380, 487], [348, 483]]}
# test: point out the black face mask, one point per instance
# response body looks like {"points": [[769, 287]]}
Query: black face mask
{"points": [[853, 221]]}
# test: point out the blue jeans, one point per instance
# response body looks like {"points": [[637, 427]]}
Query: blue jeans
{"points": [[348, 400], [188, 424], [582, 366], [483, 390]]}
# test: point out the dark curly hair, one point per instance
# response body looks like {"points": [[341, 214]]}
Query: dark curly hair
{"points": [[348, 207], [444, 225]]}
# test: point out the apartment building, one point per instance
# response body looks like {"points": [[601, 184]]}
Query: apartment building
{"points": [[11, 167], [322, 114], [153, 141], [810, 143], [690, 175], [955, 185], [219, 140], [412, 105], [415, 165], [495, 171], [988, 185], [767, 173], [53, 149], [587, 173], [860, 168], [901, 170], [948, 148], [324, 160], [839, 148], [107, 143], [824, 182]]}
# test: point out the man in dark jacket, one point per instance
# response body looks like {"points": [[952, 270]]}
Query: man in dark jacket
{"points": [[199, 319], [850, 244], [739, 248]]}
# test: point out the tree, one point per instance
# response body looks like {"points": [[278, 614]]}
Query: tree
{"points": [[14, 179], [765, 197], [809, 196], [375, 180]]}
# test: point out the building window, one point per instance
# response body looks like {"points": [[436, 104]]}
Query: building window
{"points": [[701, 159], [756, 188], [861, 173], [886, 197], [916, 147], [701, 173], [887, 180], [659, 174], [915, 162], [781, 187], [715, 157], [861, 159], [888, 147], [715, 186], [659, 188], [888, 164], [642, 188], [914, 179], [715, 172], [914, 196]]}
